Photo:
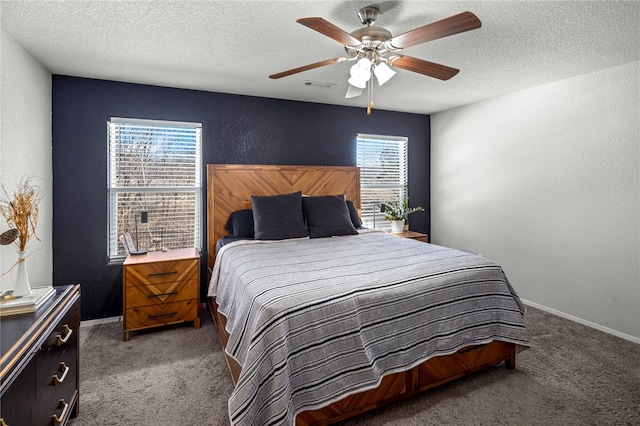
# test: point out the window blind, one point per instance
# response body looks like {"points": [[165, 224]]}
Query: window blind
{"points": [[383, 175], [154, 167]]}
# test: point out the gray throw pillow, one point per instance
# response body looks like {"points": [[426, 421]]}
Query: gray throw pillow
{"points": [[327, 216], [278, 217]]}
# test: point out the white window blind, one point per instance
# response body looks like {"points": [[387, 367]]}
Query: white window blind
{"points": [[154, 167], [383, 175]]}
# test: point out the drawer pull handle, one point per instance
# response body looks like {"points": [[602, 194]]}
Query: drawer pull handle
{"points": [[62, 340], [162, 274], [58, 380], [170, 314], [162, 294], [3, 423], [63, 415]]}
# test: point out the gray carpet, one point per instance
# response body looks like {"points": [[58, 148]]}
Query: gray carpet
{"points": [[572, 375]]}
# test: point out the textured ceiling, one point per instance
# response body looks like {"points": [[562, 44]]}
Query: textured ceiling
{"points": [[232, 46]]}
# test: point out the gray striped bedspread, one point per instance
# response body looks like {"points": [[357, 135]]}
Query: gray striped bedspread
{"points": [[314, 320]]}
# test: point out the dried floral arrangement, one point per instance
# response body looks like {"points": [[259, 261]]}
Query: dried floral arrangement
{"points": [[20, 210]]}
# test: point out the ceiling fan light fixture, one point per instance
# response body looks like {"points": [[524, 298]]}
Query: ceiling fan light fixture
{"points": [[353, 91], [360, 73], [361, 68], [357, 82], [383, 73]]}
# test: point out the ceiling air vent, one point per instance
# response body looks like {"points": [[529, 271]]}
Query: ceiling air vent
{"points": [[318, 84]]}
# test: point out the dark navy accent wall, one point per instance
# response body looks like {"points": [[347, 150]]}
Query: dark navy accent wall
{"points": [[235, 129]]}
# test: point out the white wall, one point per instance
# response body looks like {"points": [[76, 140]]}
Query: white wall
{"points": [[546, 182], [25, 148]]}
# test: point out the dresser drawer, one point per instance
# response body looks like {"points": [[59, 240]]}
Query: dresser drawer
{"points": [[158, 294], [17, 402], [57, 370], [161, 272], [142, 317]]}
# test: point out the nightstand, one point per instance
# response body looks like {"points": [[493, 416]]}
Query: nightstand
{"points": [[414, 236], [160, 288]]}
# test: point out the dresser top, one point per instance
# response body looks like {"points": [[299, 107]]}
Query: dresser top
{"points": [[161, 256]]}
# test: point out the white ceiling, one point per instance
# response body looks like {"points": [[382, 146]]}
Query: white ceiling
{"points": [[232, 46]]}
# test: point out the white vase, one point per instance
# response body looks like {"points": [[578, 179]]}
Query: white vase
{"points": [[22, 287], [397, 226]]}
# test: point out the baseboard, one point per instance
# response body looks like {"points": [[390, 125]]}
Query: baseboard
{"points": [[582, 321], [89, 323]]}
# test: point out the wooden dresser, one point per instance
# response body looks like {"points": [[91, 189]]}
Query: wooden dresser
{"points": [[39, 362], [160, 288]]}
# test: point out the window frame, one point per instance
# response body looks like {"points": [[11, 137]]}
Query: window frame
{"points": [[113, 189], [370, 210]]}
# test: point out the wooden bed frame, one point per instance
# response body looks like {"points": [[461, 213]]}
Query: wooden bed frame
{"points": [[229, 188]]}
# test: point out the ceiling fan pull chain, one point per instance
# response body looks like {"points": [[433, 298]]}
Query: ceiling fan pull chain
{"points": [[369, 96], [370, 106]]}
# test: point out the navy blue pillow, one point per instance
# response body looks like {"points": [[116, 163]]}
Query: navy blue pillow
{"points": [[353, 213], [327, 216], [278, 217], [240, 224]]}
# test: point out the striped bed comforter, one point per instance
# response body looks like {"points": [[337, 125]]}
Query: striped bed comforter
{"points": [[314, 320]]}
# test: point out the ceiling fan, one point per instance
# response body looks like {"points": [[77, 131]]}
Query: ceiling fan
{"points": [[375, 49]]}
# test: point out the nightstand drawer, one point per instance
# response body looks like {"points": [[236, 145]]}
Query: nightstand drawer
{"points": [[161, 272], [159, 294], [167, 313]]}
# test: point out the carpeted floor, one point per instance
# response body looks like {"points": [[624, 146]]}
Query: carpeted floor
{"points": [[572, 375]]}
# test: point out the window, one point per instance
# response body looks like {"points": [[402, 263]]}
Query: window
{"points": [[154, 167], [383, 175]]}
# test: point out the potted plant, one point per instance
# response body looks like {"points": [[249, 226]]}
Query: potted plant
{"points": [[397, 214]]}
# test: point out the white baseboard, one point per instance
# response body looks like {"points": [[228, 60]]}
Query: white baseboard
{"points": [[582, 321], [89, 323]]}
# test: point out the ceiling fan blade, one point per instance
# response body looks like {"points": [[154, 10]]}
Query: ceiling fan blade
{"points": [[455, 24], [307, 67], [430, 69], [327, 28]]}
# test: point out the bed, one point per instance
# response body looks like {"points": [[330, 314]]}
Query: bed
{"points": [[317, 330]]}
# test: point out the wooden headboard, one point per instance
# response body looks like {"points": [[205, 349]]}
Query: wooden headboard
{"points": [[230, 187]]}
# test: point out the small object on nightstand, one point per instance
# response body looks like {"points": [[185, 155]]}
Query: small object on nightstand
{"points": [[143, 219], [413, 235]]}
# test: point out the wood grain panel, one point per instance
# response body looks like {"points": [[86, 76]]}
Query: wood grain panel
{"points": [[157, 294], [161, 272], [230, 187], [168, 313]]}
